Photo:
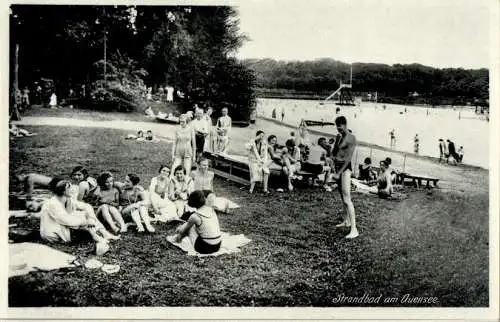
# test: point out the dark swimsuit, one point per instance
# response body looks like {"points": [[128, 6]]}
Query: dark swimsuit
{"points": [[203, 247], [335, 150]]}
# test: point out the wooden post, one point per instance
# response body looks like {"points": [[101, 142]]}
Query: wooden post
{"points": [[14, 115], [356, 165], [371, 149], [105, 60], [404, 163]]}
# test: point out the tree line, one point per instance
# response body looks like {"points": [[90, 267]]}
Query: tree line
{"points": [[397, 83], [116, 51]]}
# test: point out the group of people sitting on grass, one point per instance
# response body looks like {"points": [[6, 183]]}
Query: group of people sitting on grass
{"points": [[381, 182], [103, 206], [148, 137]]}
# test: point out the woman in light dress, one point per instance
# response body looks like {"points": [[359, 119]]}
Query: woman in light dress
{"points": [[211, 137], [58, 218], [257, 161], [162, 207]]}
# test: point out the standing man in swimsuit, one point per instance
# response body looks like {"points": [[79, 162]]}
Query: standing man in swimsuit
{"points": [[342, 153]]}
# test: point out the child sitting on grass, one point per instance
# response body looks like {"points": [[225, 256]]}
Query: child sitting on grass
{"points": [[108, 200], [202, 227]]}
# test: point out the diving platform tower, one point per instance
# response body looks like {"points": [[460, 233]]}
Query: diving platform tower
{"points": [[344, 93]]}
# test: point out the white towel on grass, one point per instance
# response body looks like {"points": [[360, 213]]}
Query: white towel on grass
{"points": [[223, 204], [27, 257], [230, 244]]}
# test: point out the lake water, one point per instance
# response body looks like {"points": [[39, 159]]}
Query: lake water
{"points": [[372, 124]]}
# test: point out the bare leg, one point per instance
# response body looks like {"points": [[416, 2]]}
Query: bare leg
{"points": [[327, 177], [287, 172], [225, 144], [117, 216], [98, 239], [104, 210], [348, 205], [187, 165], [345, 217], [90, 214], [136, 217], [252, 186], [265, 181], [193, 235], [143, 211]]}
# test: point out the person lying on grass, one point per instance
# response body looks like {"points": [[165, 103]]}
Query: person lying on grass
{"points": [[134, 202], [161, 206], [82, 185], [18, 132], [202, 227], [203, 179], [108, 198], [138, 137], [58, 218], [179, 189]]}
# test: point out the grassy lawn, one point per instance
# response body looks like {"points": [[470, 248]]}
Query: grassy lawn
{"points": [[88, 114], [427, 245]]}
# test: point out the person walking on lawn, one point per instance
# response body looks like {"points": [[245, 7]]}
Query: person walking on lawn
{"points": [[342, 152]]}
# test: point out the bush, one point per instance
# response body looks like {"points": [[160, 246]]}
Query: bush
{"points": [[114, 96], [124, 89]]}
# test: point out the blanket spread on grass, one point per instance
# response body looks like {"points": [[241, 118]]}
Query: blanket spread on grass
{"points": [[27, 257], [230, 244]]}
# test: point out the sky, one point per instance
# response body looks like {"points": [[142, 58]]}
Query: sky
{"points": [[438, 33]]}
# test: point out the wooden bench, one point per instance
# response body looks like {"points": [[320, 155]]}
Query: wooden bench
{"points": [[235, 168], [397, 180], [417, 180]]}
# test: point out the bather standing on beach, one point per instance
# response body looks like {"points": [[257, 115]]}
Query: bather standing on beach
{"points": [[342, 152], [392, 135]]}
